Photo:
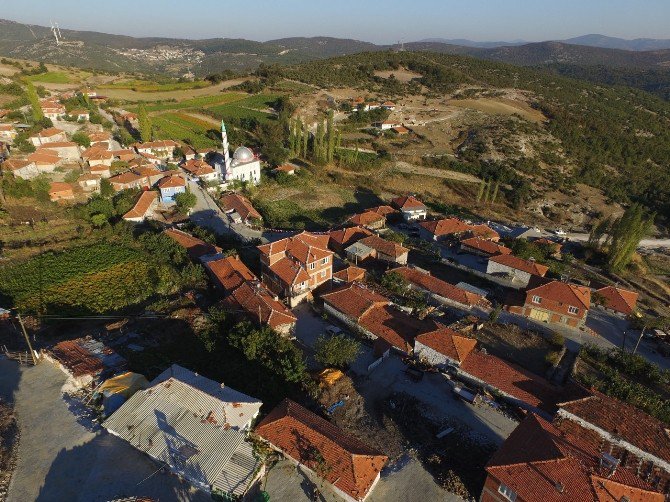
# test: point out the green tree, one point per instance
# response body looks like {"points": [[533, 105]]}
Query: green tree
{"points": [[106, 188], [330, 137], [34, 101], [185, 201], [145, 125], [599, 230], [81, 139], [98, 220], [627, 232], [338, 351]]}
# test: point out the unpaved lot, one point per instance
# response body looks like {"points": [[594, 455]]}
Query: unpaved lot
{"points": [[61, 459]]}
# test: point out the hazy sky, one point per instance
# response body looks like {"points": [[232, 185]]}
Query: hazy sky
{"points": [[372, 20]]}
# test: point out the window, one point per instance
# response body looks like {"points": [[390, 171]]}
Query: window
{"points": [[573, 310], [325, 260], [312, 265], [507, 492], [323, 273], [303, 285], [536, 299]]}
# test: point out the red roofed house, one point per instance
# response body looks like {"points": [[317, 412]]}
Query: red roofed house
{"points": [[638, 441], [285, 168], [143, 208], [45, 160], [557, 302], [159, 148], [438, 290], [47, 136], [517, 270], [340, 239], [352, 468], [60, 191], [261, 307], [196, 248], [125, 181], [21, 168], [295, 266], [618, 300], [539, 462], [229, 273], [372, 315], [443, 347], [97, 155], [239, 209], [368, 219], [484, 232], [377, 248], [7, 133], [201, 169], [483, 247], [66, 150], [438, 230], [349, 274], [170, 187], [89, 182], [410, 207]]}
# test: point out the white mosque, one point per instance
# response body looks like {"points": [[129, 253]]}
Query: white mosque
{"points": [[244, 166]]}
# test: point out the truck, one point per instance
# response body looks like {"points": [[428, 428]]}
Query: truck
{"points": [[465, 394]]}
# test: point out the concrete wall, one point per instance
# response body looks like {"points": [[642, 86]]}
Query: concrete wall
{"points": [[518, 276]]}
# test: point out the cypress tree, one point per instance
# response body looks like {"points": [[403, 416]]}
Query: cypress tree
{"points": [[305, 140], [495, 192], [480, 193], [145, 124], [319, 156], [330, 131], [34, 100]]}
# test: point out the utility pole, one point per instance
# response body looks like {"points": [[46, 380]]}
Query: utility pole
{"points": [[25, 335], [639, 339]]}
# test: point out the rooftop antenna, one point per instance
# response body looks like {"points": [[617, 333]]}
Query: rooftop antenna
{"points": [[55, 33]]}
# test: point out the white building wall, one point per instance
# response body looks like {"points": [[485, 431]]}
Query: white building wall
{"points": [[519, 276]]}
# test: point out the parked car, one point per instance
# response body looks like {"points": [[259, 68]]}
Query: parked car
{"points": [[465, 394], [333, 330]]}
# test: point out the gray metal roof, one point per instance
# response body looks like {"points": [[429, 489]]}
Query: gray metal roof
{"points": [[359, 249], [169, 423], [201, 394]]}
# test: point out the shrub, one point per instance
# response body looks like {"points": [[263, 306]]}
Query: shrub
{"points": [[338, 351]]}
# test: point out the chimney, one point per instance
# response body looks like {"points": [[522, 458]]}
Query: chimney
{"points": [[609, 463], [559, 487]]}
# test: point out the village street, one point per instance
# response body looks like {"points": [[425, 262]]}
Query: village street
{"points": [[61, 458]]}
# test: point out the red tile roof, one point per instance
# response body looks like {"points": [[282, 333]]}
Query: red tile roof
{"points": [[486, 246], [354, 300], [172, 182], [285, 168], [517, 263], [400, 129], [513, 380], [304, 247], [344, 237], [142, 205], [60, 187], [15, 164], [624, 421], [383, 210], [350, 274], [44, 156], [541, 463], [366, 218], [350, 465], [446, 226], [483, 231], [196, 248], [198, 167], [448, 342], [383, 246], [260, 306], [408, 203], [241, 205], [51, 131], [289, 272], [394, 326], [619, 299], [125, 178], [563, 292], [230, 272], [439, 287]]}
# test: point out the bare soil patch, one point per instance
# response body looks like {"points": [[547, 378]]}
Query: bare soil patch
{"points": [[500, 106], [402, 74], [130, 95]]}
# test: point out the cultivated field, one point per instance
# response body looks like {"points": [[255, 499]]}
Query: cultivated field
{"points": [[180, 95]]}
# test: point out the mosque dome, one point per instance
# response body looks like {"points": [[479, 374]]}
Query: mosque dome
{"points": [[243, 154]]}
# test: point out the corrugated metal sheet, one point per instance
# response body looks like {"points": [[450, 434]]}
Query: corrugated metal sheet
{"points": [[199, 393], [169, 422]]}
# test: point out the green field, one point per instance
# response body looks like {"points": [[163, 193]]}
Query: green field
{"points": [[51, 77], [248, 109], [147, 86], [200, 102], [178, 126]]}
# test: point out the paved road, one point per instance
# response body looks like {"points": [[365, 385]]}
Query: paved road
{"points": [[61, 459]]}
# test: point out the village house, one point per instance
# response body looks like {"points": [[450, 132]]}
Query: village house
{"points": [[239, 209], [197, 249], [410, 208], [125, 181], [100, 137], [483, 232], [261, 307], [349, 274], [101, 170], [373, 315], [144, 207], [200, 169], [386, 125], [46, 161], [339, 240], [368, 219], [351, 467], [195, 427], [80, 114], [374, 247], [539, 462], [59, 191], [97, 156], [287, 169], [170, 187], [7, 133], [443, 348], [616, 299], [124, 155], [515, 269], [388, 105], [52, 109], [483, 247], [160, 148], [66, 150], [21, 168], [558, 303], [229, 273], [149, 172], [446, 228], [400, 130], [45, 136], [439, 291], [89, 182], [295, 266], [632, 438]]}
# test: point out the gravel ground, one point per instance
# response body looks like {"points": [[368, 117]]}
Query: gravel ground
{"points": [[60, 459]]}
